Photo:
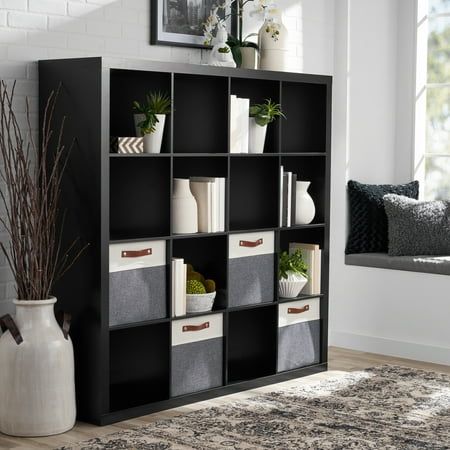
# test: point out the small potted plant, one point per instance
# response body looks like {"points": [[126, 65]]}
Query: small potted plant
{"points": [[292, 274], [150, 119], [260, 116], [200, 293]]}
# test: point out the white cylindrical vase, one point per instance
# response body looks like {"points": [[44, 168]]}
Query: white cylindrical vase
{"points": [[273, 45], [249, 58], [37, 386], [291, 286], [256, 136], [305, 209], [153, 141], [184, 208]]}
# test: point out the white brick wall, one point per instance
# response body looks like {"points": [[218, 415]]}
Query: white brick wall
{"points": [[37, 29]]}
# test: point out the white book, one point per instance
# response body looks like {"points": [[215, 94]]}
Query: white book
{"points": [[218, 201], [201, 190], [235, 143], [178, 287], [289, 199], [317, 271], [309, 256], [281, 196], [244, 111]]}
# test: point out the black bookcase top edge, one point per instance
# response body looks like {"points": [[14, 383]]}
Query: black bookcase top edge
{"points": [[199, 69]]}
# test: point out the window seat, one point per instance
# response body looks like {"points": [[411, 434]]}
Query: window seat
{"points": [[427, 264]]}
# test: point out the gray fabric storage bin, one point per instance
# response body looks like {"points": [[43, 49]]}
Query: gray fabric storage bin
{"points": [[251, 269], [197, 358], [298, 334], [137, 282]]}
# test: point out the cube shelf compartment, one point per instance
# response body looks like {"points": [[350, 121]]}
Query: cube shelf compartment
{"points": [[125, 370]]}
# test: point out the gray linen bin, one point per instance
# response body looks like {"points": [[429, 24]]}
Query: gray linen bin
{"points": [[137, 282], [197, 354], [251, 268], [299, 334]]}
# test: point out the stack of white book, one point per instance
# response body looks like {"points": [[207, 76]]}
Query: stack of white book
{"points": [[179, 276], [239, 120], [209, 193], [287, 198], [312, 255]]}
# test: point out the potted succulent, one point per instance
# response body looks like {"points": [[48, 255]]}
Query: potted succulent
{"points": [[292, 274], [200, 293], [37, 389], [150, 118], [260, 116]]}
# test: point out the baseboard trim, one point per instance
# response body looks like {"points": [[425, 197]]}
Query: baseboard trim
{"points": [[390, 347]]}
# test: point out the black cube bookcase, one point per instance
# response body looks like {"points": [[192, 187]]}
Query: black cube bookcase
{"points": [[124, 371]]}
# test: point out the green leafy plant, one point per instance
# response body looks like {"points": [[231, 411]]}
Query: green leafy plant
{"points": [[291, 263], [156, 103], [236, 44], [267, 112]]}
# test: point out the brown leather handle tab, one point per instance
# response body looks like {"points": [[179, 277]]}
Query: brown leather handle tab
{"points": [[64, 319], [202, 326], [136, 253], [298, 310], [250, 243], [7, 323]]}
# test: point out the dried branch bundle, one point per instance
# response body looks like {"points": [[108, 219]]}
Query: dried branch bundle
{"points": [[30, 187]]}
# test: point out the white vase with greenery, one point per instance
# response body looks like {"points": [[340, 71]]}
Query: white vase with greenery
{"points": [[261, 115], [37, 389], [292, 274], [150, 119]]}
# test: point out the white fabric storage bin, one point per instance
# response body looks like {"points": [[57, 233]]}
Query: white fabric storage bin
{"points": [[137, 282], [251, 268], [298, 334], [197, 354]]}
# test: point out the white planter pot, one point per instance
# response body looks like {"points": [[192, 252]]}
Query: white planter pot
{"points": [[256, 136], [304, 205], [37, 388], [249, 58], [292, 286], [153, 141], [273, 47], [184, 208]]}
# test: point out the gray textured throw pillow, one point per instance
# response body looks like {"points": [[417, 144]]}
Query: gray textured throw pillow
{"points": [[417, 227]]}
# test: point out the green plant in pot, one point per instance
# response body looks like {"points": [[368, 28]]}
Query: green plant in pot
{"points": [[200, 292], [261, 115], [150, 118], [292, 274], [37, 388]]}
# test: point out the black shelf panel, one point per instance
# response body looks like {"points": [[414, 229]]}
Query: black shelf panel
{"points": [[139, 155], [299, 297], [186, 167], [252, 343], [253, 193], [144, 323], [139, 198], [139, 365], [215, 310], [200, 114], [128, 86]]}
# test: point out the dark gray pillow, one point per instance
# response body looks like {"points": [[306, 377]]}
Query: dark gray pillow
{"points": [[417, 227]]}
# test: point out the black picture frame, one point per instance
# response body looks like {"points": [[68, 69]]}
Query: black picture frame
{"points": [[158, 36]]}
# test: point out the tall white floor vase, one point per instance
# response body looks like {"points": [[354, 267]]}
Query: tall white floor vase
{"points": [[305, 209], [37, 386]]}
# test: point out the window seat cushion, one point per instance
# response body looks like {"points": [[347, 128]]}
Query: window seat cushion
{"points": [[427, 264]]}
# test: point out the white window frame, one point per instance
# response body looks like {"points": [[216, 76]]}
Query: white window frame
{"points": [[420, 94]]}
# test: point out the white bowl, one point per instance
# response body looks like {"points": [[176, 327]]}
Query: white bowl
{"points": [[200, 302], [290, 289]]}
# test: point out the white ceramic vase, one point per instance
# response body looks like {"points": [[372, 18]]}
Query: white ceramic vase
{"points": [[304, 204], [184, 208], [37, 386], [273, 45], [249, 58], [152, 141], [256, 136], [291, 286]]}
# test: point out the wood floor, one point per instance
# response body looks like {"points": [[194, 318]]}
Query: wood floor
{"points": [[339, 360]]}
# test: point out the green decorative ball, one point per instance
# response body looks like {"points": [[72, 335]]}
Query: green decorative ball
{"points": [[195, 287], [210, 286]]}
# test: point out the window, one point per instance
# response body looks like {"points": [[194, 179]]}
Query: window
{"points": [[432, 162]]}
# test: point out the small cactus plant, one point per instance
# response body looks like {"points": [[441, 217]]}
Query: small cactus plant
{"points": [[196, 276], [195, 287]]}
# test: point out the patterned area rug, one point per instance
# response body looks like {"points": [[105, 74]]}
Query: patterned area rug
{"points": [[386, 407]]}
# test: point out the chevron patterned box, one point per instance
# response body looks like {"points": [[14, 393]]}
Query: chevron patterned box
{"points": [[127, 144]]}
